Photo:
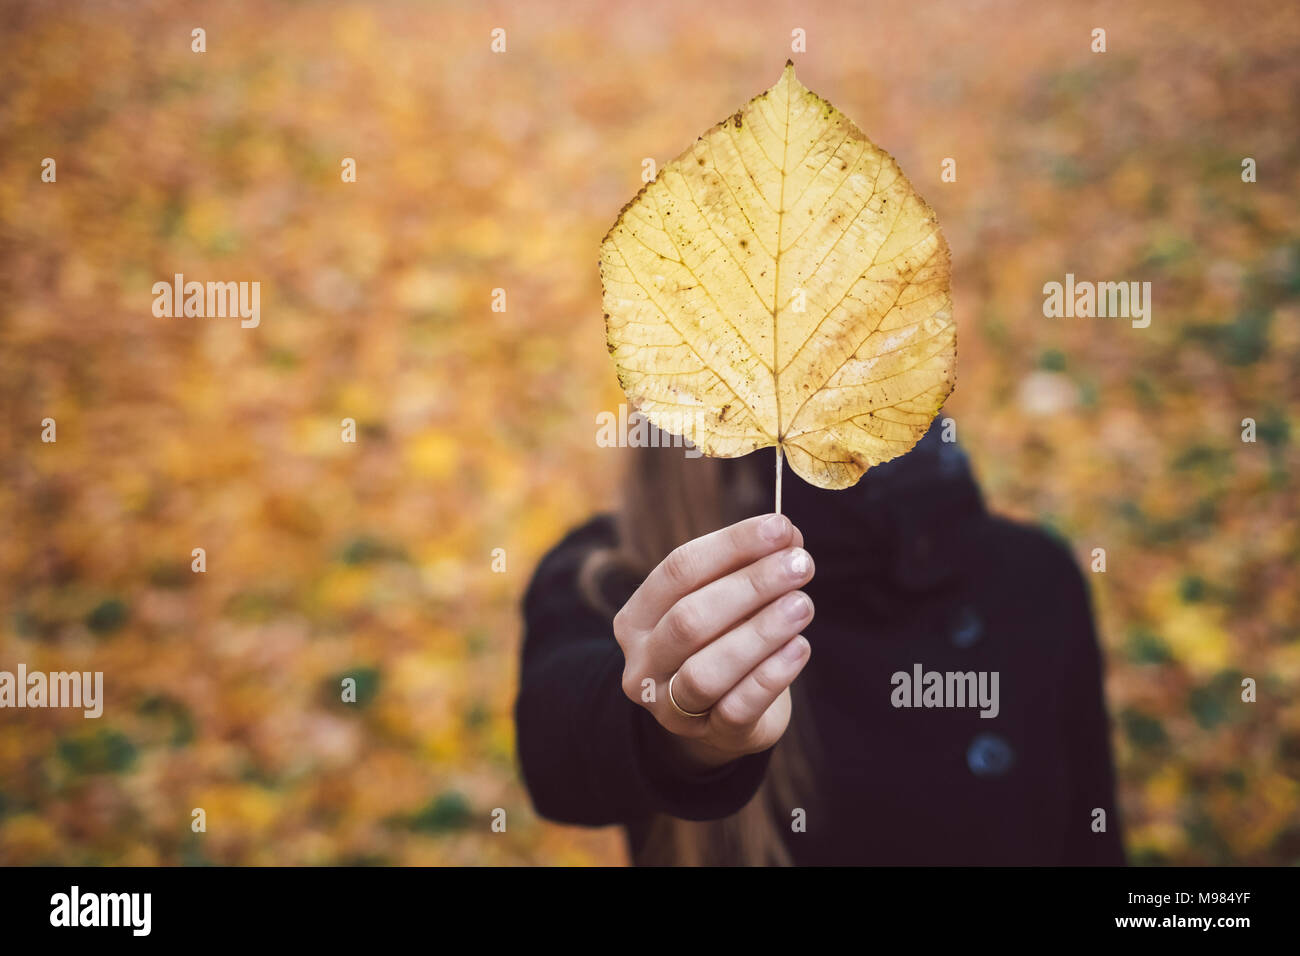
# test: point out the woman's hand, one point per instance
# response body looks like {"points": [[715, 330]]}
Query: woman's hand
{"points": [[723, 613]]}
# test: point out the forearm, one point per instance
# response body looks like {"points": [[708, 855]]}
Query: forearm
{"points": [[590, 756]]}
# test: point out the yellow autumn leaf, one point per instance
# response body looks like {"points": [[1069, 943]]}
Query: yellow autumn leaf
{"points": [[781, 283]]}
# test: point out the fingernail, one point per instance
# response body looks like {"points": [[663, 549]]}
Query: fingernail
{"points": [[796, 606], [800, 562], [773, 528], [795, 650]]}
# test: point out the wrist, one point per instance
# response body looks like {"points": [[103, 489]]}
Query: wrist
{"points": [[697, 758]]}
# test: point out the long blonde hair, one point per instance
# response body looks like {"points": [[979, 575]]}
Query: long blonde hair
{"points": [[667, 500]]}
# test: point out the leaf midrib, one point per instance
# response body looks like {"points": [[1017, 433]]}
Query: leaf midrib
{"points": [[776, 276]]}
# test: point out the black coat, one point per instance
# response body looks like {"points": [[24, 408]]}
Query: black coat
{"points": [[911, 570]]}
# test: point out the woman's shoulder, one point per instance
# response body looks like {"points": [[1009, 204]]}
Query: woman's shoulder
{"points": [[597, 532], [559, 569], [1033, 560], [1026, 540]]}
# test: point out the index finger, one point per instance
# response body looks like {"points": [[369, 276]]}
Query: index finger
{"points": [[705, 559]]}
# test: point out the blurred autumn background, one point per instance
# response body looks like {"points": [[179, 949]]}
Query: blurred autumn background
{"points": [[476, 429]]}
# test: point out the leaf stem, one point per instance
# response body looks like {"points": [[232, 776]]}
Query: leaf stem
{"points": [[780, 456]]}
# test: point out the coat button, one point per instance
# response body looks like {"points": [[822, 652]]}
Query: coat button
{"points": [[989, 756], [967, 628]]}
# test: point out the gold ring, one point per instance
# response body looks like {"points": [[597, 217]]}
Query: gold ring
{"points": [[678, 707]]}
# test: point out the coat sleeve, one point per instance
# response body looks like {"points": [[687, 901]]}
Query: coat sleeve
{"points": [[1087, 733], [589, 755]]}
